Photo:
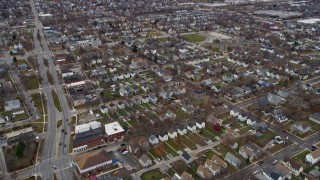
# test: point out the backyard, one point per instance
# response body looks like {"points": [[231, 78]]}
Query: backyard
{"points": [[152, 175]]}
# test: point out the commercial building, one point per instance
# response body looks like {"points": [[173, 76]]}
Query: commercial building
{"points": [[114, 131]]}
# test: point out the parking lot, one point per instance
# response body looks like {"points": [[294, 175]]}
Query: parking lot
{"points": [[126, 160]]}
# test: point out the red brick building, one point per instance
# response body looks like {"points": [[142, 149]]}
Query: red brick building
{"points": [[114, 131]]}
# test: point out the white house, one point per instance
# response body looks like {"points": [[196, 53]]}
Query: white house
{"points": [[163, 137], [153, 139], [234, 112], [182, 130], [313, 157], [251, 121], [191, 127], [145, 161], [172, 133], [10, 105], [200, 124], [242, 117], [104, 109]]}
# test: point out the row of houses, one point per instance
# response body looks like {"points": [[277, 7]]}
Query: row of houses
{"points": [[173, 133]]}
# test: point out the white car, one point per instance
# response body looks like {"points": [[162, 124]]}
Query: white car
{"points": [[275, 162]]}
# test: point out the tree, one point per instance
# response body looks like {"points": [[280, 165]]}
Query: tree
{"points": [[134, 48], [216, 127], [15, 59]]}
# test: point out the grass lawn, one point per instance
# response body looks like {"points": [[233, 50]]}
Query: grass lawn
{"points": [[122, 112], [153, 174], [59, 123], [56, 100], [153, 33], [301, 156], [194, 38], [38, 103], [73, 120], [14, 162], [197, 139], [206, 134], [154, 153], [176, 144], [38, 125], [209, 154], [187, 142], [20, 117], [170, 150], [162, 39], [222, 149], [32, 83], [213, 132]]}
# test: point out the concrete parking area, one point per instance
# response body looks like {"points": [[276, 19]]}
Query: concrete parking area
{"points": [[126, 160]]}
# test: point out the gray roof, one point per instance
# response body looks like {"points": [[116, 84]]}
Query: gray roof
{"points": [[232, 158]]}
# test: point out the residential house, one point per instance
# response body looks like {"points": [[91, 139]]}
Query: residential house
{"points": [[182, 130], [251, 121], [295, 167], [233, 160], [20, 135], [11, 105], [300, 127], [275, 99], [153, 98], [249, 151], [170, 115], [145, 99], [234, 112], [104, 109], [271, 174], [313, 157], [163, 137], [187, 108], [200, 124], [218, 161], [242, 117], [187, 157], [191, 127], [186, 176], [260, 126], [92, 162], [212, 167], [172, 133], [283, 171], [204, 172], [153, 139], [121, 105], [145, 161], [315, 117]]}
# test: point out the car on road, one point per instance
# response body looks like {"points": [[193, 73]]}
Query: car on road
{"points": [[171, 155], [159, 159], [260, 163]]}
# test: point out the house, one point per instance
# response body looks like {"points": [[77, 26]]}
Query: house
{"points": [[182, 130], [145, 161], [145, 99], [283, 171], [313, 157], [20, 135], [186, 176], [187, 157], [204, 172], [137, 143], [251, 121], [92, 162], [163, 137], [315, 117], [242, 117], [129, 103], [153, 139], [271, 174], [260, 126], [13, 104], [191, 127], [153, 98], [218, 161], [114, 131], [104, 109], [18, 111], [295, 167], [212, 167], [234, 112], [300, 127], [200, 124], [172, 133], [170, 115], [275, 99], [233, 160], [121, 105], [249, 151]]}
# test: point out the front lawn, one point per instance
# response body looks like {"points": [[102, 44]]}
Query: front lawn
{"points": [[152, 175], [56, 100], [300, 157]]}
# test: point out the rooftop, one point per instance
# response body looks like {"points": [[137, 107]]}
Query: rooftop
{"points": [[113, 128]]}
